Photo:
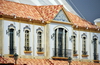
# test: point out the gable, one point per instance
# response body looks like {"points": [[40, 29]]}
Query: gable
{"points": [[61, 17]]}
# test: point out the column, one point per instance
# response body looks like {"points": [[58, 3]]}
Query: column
{"points": [[57, 42], [63, 42]]}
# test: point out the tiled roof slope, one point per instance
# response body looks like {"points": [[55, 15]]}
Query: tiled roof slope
{"points": [[22, 61], [28, 11], [77, 21], [45, 13], [20, 10], [48, 12]]}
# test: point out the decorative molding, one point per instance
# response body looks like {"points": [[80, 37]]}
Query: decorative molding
{"points": [[18, 33], [74, 33], [95, 37], [26, 28], [39, 29], [83, 35], [66, 23], [11, 26], [61, 17], [52, 36]]}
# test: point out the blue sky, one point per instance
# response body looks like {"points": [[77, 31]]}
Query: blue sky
{"points": [[87, 9]]}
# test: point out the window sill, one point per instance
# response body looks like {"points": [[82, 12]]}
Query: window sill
{"points": [[59, 58], [75, 54], [27, 51], [96, 61], [84, 55], [40, 52], [11, 55]]}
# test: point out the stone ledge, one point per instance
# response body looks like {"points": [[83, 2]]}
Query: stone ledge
{"points": [[59, 58], [84, 55], [96, 61], [11, 55], [27, 51], [40, 52], [75, 54]]}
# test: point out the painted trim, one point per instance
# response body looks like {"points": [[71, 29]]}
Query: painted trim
{"points": [[96, 61], [66, 23], [40, 52], [27, 51], [85, 55], [86, 30], [60, 27], [60, 58], [1, 18], [84, 35], [11, 55], [75, 54], [33, 22], [27, 28], [39, 30]]}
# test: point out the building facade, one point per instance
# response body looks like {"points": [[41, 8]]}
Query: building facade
{"points": [[46, 32]]}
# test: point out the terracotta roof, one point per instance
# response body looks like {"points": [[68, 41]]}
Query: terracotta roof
{"points": [[19, 10], [77, 21], [22, 61], [40, 13], [45, 13], [48, 12]]}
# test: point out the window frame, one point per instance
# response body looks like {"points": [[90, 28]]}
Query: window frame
{"points": [[65, 32]]}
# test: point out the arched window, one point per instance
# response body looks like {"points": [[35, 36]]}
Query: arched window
{"points": [[39, 40], [60, 42], [10, 32], [11, 38], [27, 48], [74, 45], [84, 52], [95, 47]]}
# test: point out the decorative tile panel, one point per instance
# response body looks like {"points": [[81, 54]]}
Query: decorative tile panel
{"points": [[61, 17]]}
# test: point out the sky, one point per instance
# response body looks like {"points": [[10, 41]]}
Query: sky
{"points": [[87, 9]]}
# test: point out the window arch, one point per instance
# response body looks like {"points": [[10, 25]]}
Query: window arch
{"points": [[60, 42]]}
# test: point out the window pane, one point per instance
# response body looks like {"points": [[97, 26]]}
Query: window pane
{"points": [[11, 41], [26, 40]]}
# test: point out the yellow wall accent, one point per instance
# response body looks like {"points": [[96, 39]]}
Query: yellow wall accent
{"points": [[66, 23], [98, 23]]}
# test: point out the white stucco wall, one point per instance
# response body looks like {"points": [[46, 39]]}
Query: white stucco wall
{"points": [[19, 41], [89, 45], [6, 36]]}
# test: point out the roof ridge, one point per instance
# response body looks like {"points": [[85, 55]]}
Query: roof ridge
{"points": [[39, 12]]}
